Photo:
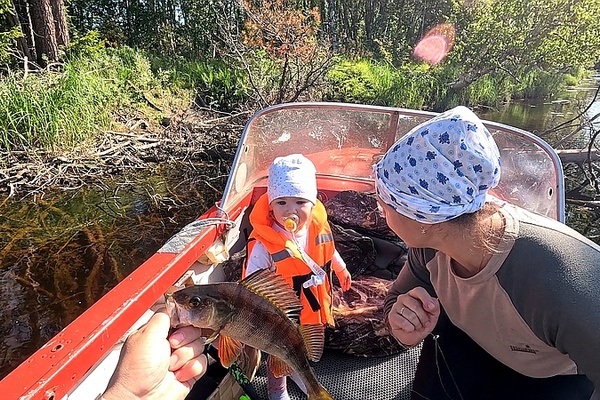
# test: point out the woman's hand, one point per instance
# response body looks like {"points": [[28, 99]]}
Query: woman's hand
{"points": [[413, 316], [154, 365]]}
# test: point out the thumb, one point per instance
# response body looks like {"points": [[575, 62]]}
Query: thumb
{"points": [[158, 326]]}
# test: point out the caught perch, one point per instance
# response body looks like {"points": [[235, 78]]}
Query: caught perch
{"points": [[258, 312]]}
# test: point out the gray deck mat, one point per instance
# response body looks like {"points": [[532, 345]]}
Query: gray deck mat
{"points": [[349, 377]]}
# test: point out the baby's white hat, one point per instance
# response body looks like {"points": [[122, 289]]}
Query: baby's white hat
{"points": [[292, 176]]}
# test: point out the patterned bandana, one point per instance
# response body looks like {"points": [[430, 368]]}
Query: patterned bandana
{"points": [[441, 169], [292, 176]]}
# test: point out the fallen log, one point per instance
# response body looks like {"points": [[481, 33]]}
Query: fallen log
{"points": [[577, 156]]}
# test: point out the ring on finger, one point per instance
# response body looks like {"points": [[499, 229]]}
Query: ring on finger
{"points": [[402, 311]]}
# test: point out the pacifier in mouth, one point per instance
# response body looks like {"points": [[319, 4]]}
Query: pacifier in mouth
{"points": [[291, 223]]}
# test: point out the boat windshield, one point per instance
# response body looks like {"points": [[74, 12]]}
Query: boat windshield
{"points": [[345, 140]]}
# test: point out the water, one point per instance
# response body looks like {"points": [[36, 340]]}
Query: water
{"points": [[62, 252], [540, 118]]}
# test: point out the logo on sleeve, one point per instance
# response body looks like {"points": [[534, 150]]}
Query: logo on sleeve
{"points": [[523, 349]]}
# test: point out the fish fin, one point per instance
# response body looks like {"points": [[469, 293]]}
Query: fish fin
{"points": [[320, 394], [249, 361], [275, 289], [278, 367], [229, 350], [314, 340]]}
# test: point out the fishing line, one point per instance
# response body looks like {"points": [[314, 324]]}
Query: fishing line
{"points": [[440, 354], [439, 348], [237, 373]]}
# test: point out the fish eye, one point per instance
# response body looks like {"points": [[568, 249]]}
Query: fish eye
{"points": [[195, 301]]}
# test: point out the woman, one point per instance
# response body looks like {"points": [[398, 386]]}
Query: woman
{"points": [[507, 302]]}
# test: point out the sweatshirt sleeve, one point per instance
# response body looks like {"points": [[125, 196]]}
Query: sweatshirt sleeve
{"points": [[552, 277], [259, 258], [337, 263], [413, 274]]}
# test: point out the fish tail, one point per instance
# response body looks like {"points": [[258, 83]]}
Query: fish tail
{"points": [[320, 394]]}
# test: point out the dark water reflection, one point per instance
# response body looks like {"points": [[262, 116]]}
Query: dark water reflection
{"points": [[61, 253], [538, 116]]}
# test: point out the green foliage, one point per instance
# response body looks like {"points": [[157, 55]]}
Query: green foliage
{"points": [[276, 51], [7, 40], [518, 36], [218, 85], [7, 34], [168, 27], [40, 110], [570, 80], [66, 107], [281, 50], [422, 87], [538, 84], [90, 44], [367, 82]]}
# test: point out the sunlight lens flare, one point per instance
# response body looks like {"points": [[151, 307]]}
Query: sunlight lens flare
{"points": [[436, 44]]}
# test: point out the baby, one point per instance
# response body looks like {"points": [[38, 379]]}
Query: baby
{"points": [[292, 237]]}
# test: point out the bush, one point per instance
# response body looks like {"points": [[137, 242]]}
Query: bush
{"points": [[366, 82]]}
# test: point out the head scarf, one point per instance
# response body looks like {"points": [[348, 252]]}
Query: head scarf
{"points": [[441, 169], [292, 176]]}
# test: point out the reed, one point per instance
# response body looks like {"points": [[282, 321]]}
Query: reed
{"points": [[216, 84], [62, 108], [419, 86]]}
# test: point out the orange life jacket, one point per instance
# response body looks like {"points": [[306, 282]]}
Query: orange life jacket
{"points": [[316, 300]]}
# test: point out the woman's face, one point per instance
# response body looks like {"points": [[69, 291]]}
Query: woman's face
{"points": [[285, 207], [407, 229]]}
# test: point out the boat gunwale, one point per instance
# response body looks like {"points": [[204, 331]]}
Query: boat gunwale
{"points": [[63, 361]]}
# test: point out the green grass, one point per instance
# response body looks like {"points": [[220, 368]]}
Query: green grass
{"points": [[419, 86], [367, 82], [216, 84], [48, 108]]}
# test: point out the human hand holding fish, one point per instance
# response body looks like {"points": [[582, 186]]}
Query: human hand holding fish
{"points": [[413, 316], [259, 312], [154, 365]]}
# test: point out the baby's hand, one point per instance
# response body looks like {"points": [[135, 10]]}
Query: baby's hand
{"points": [[344, 278]]}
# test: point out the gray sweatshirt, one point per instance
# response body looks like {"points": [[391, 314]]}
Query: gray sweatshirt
{"points": [[535, 306]]}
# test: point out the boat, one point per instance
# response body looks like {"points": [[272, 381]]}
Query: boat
{"points": [[343, 141]]}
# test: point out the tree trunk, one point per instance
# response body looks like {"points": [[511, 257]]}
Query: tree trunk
{"points": [[44, 32], [12, 18], [60, 23]]}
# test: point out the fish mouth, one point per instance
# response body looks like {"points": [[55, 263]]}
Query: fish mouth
{"points": [[172, 311]]}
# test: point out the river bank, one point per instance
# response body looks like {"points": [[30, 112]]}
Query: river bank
{"points": [[192, 136]]}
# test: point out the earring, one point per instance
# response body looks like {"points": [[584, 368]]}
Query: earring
{"points": [[423, 231]]}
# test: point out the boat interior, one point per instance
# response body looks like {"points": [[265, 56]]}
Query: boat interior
{"points": [[343, 141]]}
